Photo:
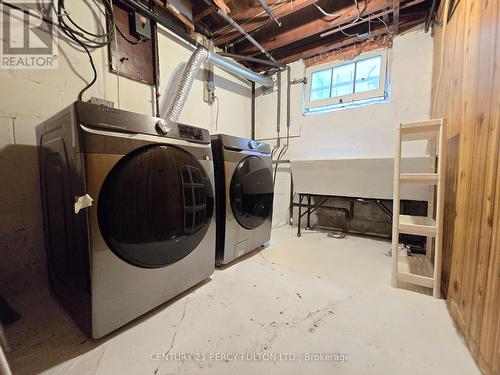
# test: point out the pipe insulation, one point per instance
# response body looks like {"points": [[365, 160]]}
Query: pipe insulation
{"points": [[199, 56]]}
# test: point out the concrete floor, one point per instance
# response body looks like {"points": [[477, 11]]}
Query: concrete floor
{"points": [[305, 295]]}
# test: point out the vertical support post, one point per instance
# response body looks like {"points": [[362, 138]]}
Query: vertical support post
{"points": [[300, 215], [290, 213], [433, 144], [395, 209], [439, 211]]}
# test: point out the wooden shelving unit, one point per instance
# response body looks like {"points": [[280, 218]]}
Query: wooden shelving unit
{"points": [[423, 270]]}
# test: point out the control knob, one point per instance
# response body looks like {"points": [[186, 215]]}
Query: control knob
{"points": [[162, 127]]}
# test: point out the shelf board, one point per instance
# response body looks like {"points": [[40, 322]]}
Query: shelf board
{"points": [[419, 178], [428, 131], [417, 225], [416, 269], [420, 124]]}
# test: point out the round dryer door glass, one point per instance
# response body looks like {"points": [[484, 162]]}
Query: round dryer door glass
{"points": [[251, 192], [155, 206]]}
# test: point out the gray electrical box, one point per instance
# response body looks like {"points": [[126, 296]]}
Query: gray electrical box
{"points": [[140, 26]]}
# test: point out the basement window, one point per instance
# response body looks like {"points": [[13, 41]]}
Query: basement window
{"points": [[344, 84]]}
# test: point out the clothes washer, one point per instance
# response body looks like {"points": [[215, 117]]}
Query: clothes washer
{"points": [[150, 232], [244, 195]]}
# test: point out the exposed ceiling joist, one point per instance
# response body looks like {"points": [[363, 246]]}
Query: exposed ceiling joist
{"points": [[210, 9], [330, 47], [395, 6], [335, 42], [306, 31], [296, 29], [173, 11], [257, 19]]}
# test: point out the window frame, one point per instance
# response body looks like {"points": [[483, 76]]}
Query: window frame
{"points": [[351, 98]]}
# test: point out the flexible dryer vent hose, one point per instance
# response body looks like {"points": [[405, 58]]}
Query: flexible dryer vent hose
{"points": [[199, 56]]}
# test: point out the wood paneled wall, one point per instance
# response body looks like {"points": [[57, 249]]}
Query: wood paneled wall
{"points": [[468, 95]]}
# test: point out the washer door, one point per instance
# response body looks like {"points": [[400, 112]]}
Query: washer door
{"points": [[155, 206], [251, 192]]}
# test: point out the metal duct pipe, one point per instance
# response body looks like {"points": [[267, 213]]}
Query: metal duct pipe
{"points": [[238, 69], [234, 24], [252, 59], [199, 56]]}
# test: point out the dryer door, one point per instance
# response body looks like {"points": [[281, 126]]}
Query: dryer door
{"points": [[155, 206], [251, 192]]}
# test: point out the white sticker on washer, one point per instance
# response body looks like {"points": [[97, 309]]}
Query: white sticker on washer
{"points": [[83, 202]]}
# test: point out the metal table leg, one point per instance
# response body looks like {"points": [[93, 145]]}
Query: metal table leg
{"points": [[308, 227], [300, 215]]}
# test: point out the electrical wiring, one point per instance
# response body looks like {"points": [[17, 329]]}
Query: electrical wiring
{"points": [[336, 15], [217, 113], [115, 39], [385, 24], [134, 42], [85, 39], [82, 36], [359, 13]]}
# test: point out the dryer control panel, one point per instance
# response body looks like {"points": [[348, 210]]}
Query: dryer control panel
{"points": [[117, 120], [239, 144], [189, 132]]}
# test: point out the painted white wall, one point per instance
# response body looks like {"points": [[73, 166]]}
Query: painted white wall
{"points": [[366, 131], [30, 96]]}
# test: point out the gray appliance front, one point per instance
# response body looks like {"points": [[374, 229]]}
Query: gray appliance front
{"points": [[238, 239], [122, 291]]}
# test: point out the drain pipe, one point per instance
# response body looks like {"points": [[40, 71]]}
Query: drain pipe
{"points": [[253, 112], [278, 114], [199, 56]]}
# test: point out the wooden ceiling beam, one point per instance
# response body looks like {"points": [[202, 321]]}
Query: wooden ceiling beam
{"points": [[330, 47], [207, 11], [349, 52], [173, 11], [258, 19], [407, 22], [296, 30], [395, 6]]}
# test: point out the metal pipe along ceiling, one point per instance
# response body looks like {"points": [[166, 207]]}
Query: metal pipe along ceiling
{"points": [[240, 70]]}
